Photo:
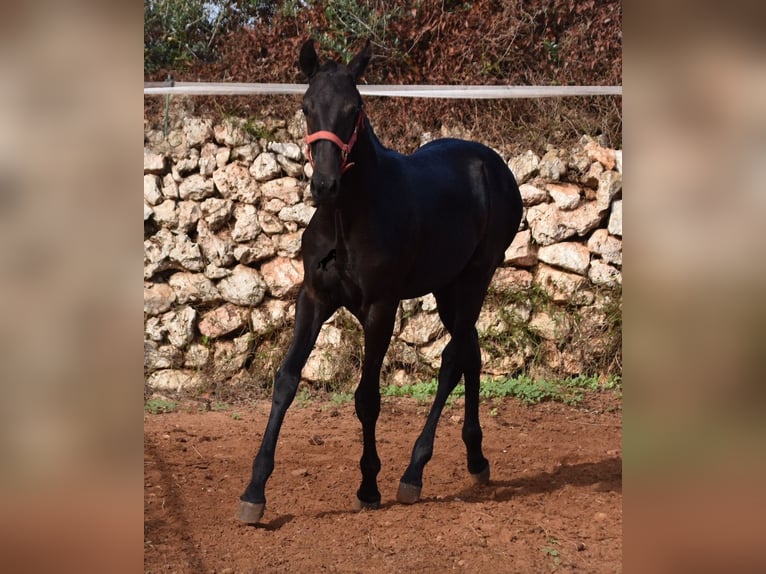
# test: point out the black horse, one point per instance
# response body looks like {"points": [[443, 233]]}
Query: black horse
{"points": [[390, 227]]}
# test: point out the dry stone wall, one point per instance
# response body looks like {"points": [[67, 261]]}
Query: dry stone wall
{"points": [[224, 209]]}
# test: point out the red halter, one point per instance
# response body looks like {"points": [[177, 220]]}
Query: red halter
{"points": [[345, 148]]}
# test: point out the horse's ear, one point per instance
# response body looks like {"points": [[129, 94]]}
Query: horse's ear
{"points": [[359, 62], [308, 59]]}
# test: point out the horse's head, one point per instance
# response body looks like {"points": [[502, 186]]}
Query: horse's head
{"points": [[334, 115]]}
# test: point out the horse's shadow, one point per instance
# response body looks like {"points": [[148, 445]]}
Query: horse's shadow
{"points": [[274, 525], [606, 474]]}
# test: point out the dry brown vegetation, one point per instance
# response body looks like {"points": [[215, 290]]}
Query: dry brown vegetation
{"points": [[539, 42]]}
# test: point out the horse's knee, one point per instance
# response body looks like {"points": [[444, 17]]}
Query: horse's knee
{"points": [[285, 388], [367, 403]]}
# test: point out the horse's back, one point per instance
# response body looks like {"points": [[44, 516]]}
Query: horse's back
{"points": [[464, 207], [474, 172]]}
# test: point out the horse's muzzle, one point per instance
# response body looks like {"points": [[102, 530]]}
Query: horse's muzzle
{"points": [[324, 188]]}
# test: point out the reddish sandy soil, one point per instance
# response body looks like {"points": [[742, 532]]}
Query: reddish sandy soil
{"points": [[554, 502]]}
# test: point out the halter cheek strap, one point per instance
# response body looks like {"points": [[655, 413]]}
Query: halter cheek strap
{"points": [[345, 148]]}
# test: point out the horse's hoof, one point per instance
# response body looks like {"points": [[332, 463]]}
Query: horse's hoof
{"points": [[481, 477], [360, 504], [408, 493], [249, 512]]}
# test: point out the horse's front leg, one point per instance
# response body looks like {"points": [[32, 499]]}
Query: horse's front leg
{"points": [[309, 316], [378, 324]]}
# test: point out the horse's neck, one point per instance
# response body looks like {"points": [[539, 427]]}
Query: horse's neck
{"points": [[369, 151]]}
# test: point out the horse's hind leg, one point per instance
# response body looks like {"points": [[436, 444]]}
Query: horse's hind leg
{"points": [[478, 465], [449, 375], [459, 307]]}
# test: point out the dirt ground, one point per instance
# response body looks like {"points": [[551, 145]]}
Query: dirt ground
{"points": [[554, 502]]}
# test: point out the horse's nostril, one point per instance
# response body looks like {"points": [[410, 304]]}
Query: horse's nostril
{"points": [[322, 186]]}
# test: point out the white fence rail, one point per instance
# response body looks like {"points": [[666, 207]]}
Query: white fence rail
{"points": [[422, 91]]}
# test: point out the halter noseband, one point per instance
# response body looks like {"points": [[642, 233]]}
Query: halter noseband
{"points": [[345, 148]]}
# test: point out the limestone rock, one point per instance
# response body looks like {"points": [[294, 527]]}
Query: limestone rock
{"points": [[158, 298], [322, 366], [289, 150], [188, 215], [507, 279], [153, 162], [148, 212], [166, 214], [244, 286], [552, 167], [559, 285], [179, 324], [296, 127], [291, 168], [524, 166], [246, 227], [235, 182], [196, 188], [289, 244], [432, 353], [545, 222], [216, 212], [231, 132], [522, 252], [490, 321], [608, 246], [531, 195], [187, 164], [282, 275], [428, 303], [197, 131], [230, 356], [222, 157], [567, 255], [269, 315], [246, 153], [604, 156], [271, 224], [176, 380], [161, 356], [609, 185], [582, 220], [170, 187], [286, 189], [421, 328], [565, 195], [168, 250], [615, 218], [217, 248], [214, 272], [604, 274], [152, 193], [207, 159], [153, 330], [590, 179], [579, 160], [193, 288], [196, 356], [550, 326], [329, 336], [262, 248], [222, 320], [300, 213], [265, 167]]}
